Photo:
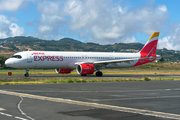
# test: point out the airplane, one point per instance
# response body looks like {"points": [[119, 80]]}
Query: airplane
{"points": [[85, 63]]}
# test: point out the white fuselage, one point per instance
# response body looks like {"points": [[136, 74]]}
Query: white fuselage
{"points": [[68, 60]]}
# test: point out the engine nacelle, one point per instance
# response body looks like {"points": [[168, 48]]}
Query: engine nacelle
{"points": [[85, 69], [63, 71]]}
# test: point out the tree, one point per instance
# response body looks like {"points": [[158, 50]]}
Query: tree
{"points": [[2, 61], [162, 59]]}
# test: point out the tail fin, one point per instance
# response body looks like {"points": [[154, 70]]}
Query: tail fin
{"points": [[150, 47], [148, 52]]}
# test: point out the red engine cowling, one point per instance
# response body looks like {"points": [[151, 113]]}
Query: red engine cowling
{"points": [[63, 71], [85, 69]]}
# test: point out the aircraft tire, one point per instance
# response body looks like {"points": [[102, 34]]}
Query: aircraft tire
{"points": [[99, 73], [26, 75]]}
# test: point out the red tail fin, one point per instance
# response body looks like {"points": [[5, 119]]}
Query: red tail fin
{"points": [[149, 49], [151, 45]]}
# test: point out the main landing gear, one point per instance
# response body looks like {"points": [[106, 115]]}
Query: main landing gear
{"points": [[27, 74], [99, 73]]}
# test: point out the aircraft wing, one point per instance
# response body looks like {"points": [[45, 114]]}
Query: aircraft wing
{"points": [[105, 62], [114, 62], [123, 60]]}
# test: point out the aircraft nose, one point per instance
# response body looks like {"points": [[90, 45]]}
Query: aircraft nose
{"points": [[8, 62]]}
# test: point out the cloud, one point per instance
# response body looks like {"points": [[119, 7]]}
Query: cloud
{"points": [[15, 30], [10, 5], [172, 40], [9, 29], [4, 20], [45, 28], [163, 8], [98, 21], [52, 20], [48, 7], [130, 40]]}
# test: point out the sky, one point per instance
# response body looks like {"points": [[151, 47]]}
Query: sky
{"points": [[98, 21]]}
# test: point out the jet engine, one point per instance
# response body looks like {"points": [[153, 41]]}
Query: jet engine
{"points": [[85, 69], [63, 71]]}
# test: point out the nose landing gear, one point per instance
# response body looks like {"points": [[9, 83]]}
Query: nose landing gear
{"points": [[27, 74]]}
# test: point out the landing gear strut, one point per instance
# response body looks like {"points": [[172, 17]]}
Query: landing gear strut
{"points": [[27, 74], [99, 73]]}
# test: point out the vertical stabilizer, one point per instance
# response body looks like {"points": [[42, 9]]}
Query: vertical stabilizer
{"points": [[151, 45], [149, 50]]}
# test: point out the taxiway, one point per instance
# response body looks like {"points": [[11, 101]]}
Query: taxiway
{"points": [[157, 100]]}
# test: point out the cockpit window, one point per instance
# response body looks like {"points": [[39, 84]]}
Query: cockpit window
{"points": [[16, 56]]}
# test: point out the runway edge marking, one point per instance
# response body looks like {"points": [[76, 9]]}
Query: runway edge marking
{"points": [[97, 105]]}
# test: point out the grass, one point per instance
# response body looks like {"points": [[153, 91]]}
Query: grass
{"points": [[150, 68], [76, 80]]}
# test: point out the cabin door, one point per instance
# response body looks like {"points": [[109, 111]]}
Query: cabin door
{"points": [[29, 57]]}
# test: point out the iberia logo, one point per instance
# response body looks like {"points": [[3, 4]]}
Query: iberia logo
{"points": [[38, 53]]}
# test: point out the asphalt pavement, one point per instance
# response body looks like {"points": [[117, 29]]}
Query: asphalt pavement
{"points": [[91, 101]]}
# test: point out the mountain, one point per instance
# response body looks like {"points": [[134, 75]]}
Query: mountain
{"points": [[22, 43]]}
